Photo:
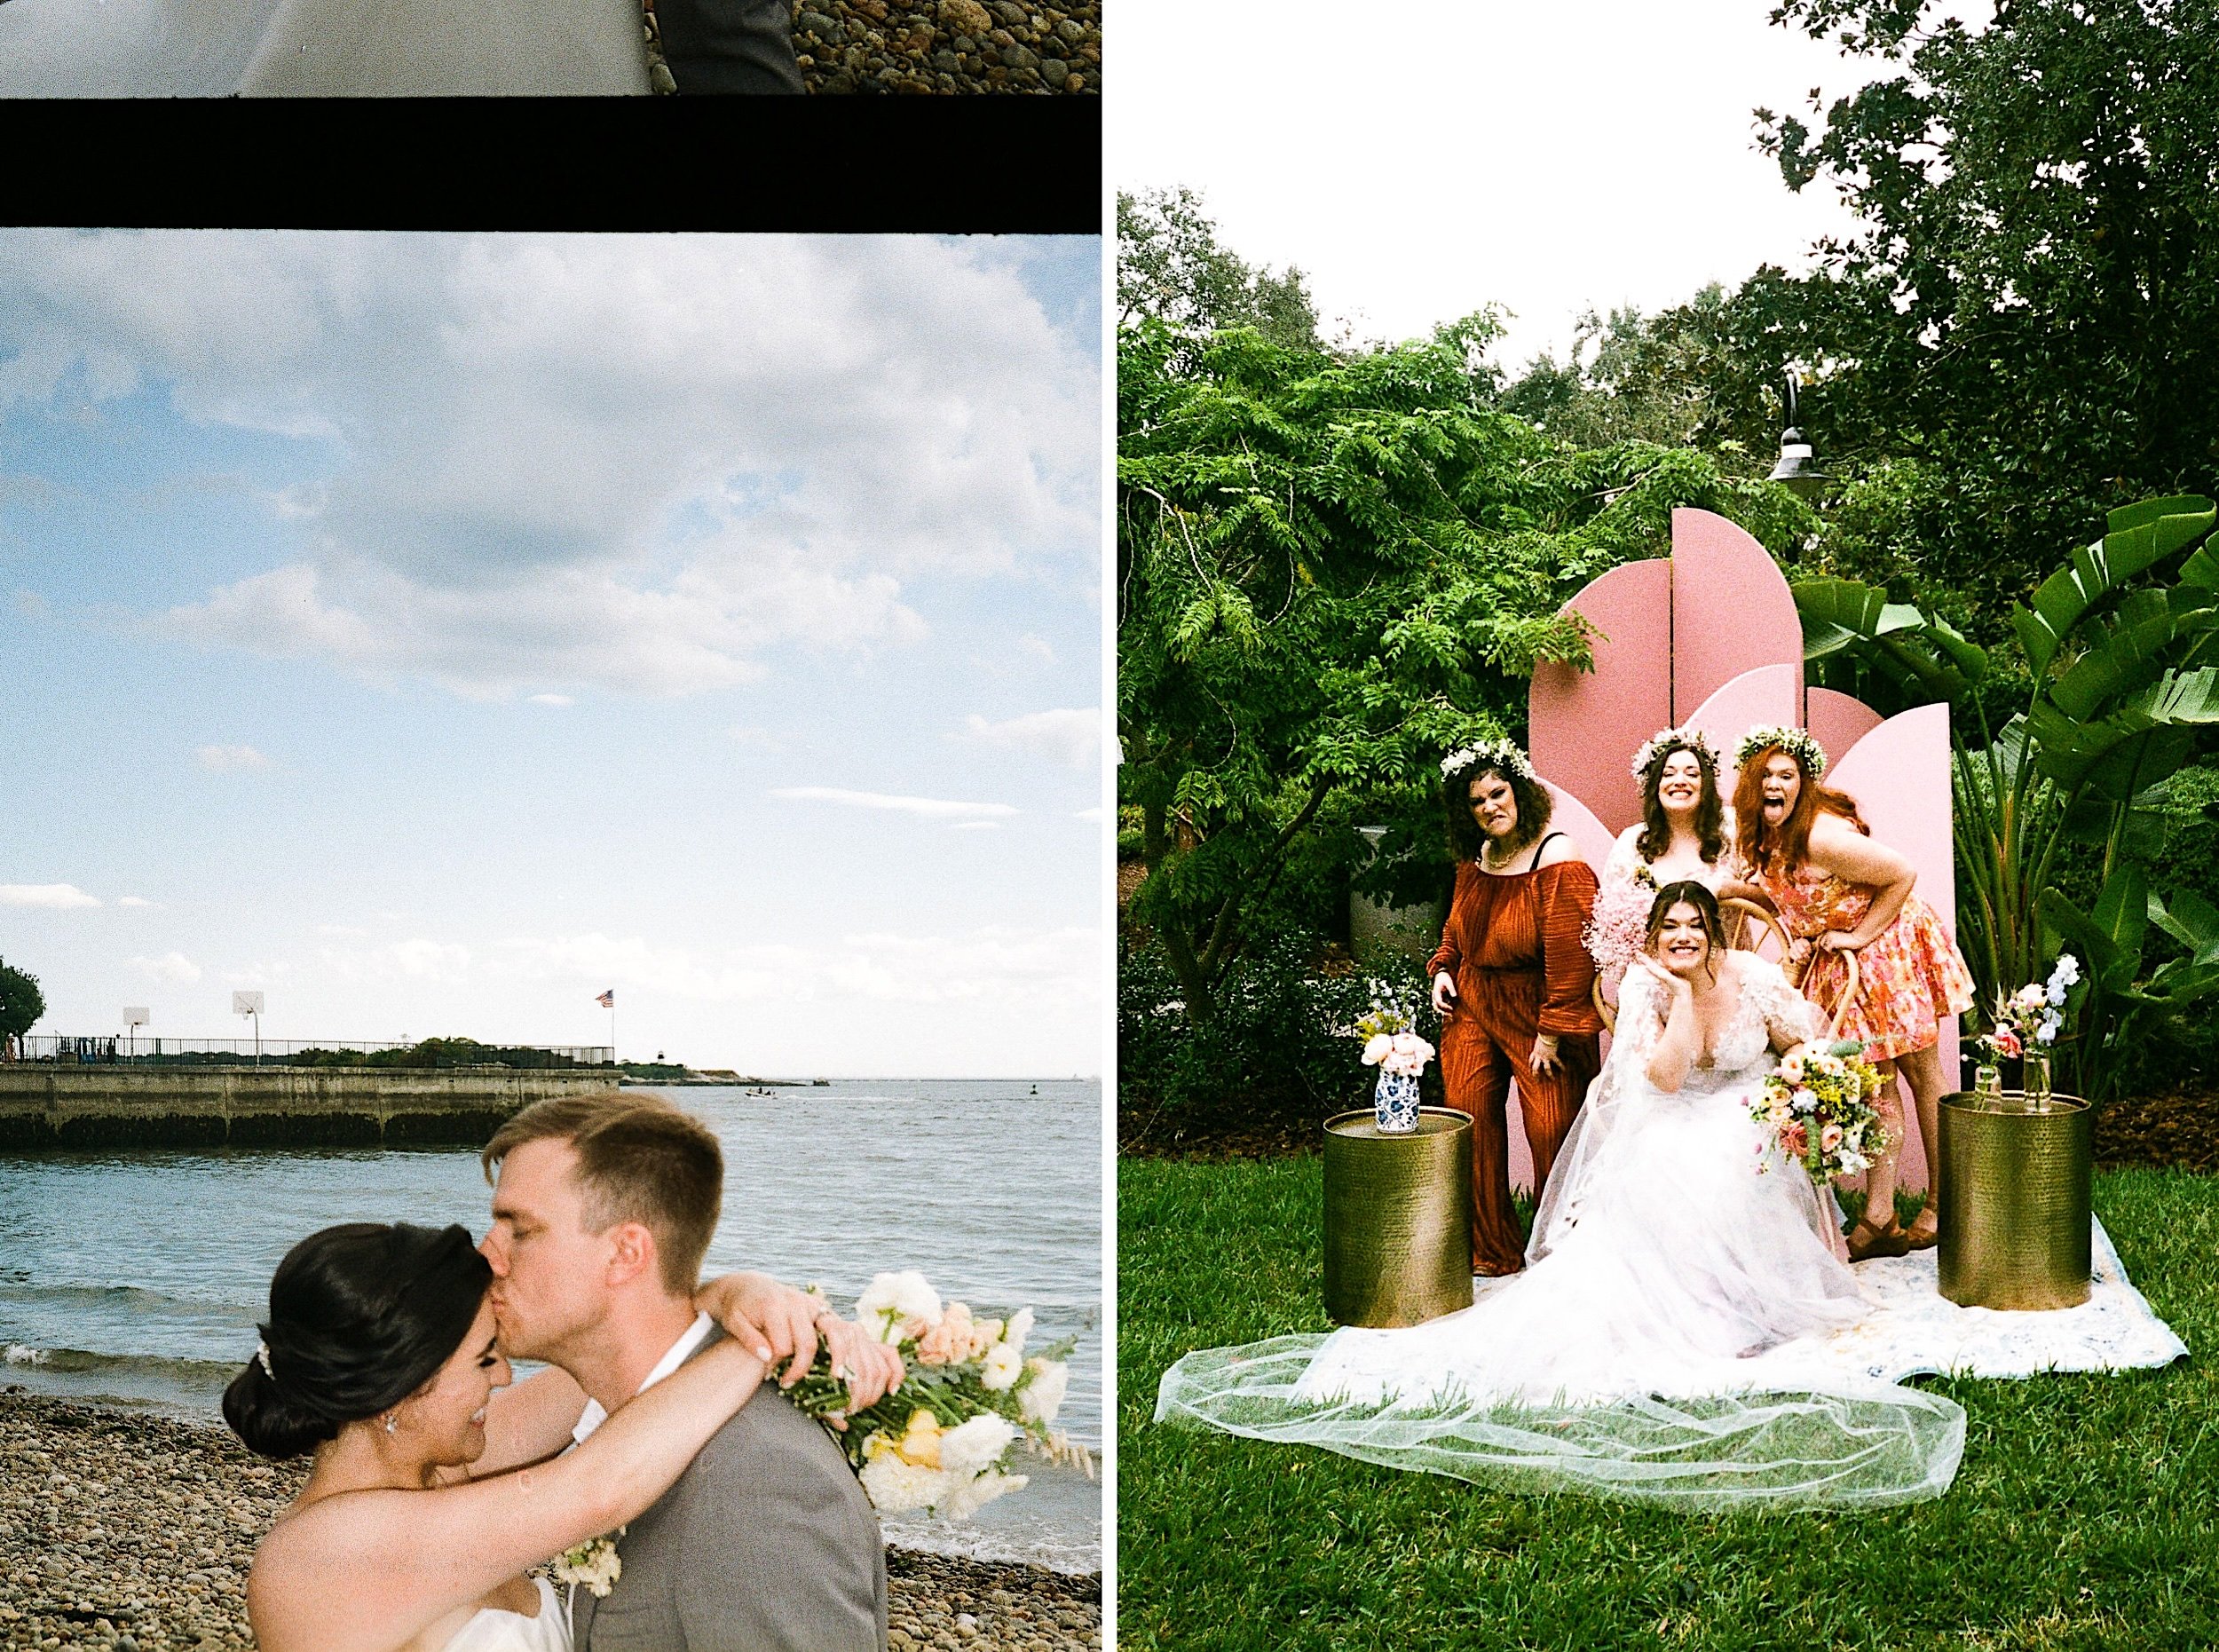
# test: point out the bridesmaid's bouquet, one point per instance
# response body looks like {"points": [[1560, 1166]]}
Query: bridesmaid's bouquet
{"points": [[1817, 1106], [941, 1442], [1617, 931]]}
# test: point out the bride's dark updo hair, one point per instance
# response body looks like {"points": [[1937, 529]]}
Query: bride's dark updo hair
{"points": [[360, 1316]]}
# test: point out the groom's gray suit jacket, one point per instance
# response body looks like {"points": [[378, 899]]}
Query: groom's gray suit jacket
{"points": [[766, 1544]]}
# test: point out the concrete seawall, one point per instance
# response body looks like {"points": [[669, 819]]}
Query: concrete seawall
{"points": [[73, 1107]]}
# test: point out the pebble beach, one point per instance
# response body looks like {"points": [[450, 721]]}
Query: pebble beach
{"points": [[131, 1531], [948, 46]]}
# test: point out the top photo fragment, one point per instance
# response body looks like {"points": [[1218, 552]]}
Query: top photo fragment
{"points": [[529, 48]]}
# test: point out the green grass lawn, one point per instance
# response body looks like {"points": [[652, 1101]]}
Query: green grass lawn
{"points": [[2083, 1516]]}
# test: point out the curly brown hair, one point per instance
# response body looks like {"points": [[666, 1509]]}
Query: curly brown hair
{"points": [[1465, 836]]}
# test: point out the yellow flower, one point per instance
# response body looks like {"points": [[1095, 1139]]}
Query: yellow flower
{"points": [[920, 1444]]}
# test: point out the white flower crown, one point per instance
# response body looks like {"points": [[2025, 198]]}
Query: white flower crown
{"points": [[1502, 755], [1796, 742], [1663, 739]]}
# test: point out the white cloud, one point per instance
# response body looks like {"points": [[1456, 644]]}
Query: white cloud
{"points": [[57, 897], [551, 700], [931, 807], [975, 825], [134, 900], [1088, 814], [633, 462], [31, 604], [1069, 736], [1038, 648], [222, 759], [168, 966]]}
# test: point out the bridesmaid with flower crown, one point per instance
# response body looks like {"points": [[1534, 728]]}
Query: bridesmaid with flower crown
{"points": [[1837, 890], [1685, 834], [1511, 980]]}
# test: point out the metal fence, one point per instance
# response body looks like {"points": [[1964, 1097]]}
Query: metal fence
{"points": [[123, 1050]]}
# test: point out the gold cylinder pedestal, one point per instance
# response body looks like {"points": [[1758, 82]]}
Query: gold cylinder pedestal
{"points": [[2014, 1200], [1398, 1219]]}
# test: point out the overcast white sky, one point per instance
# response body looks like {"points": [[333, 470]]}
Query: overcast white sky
{"points": [[434, 631], [1421, 158]]}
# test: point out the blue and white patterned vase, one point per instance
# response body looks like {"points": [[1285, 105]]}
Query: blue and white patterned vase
{"points": [[1394, 1103]]}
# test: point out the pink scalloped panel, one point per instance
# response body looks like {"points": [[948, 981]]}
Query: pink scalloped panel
{"points": [[1764, 695], [1583, 728], [1838, 721], [1732, 611], [1899, 774]]}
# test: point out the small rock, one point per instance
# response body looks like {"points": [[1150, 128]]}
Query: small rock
{"points": [[1053, 69], [965, 17]]}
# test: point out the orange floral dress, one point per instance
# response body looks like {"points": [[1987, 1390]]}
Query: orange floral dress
{"points": [[1909, 978]]}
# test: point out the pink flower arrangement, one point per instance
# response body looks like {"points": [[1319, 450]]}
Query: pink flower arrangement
{"points": [[1618, 929], [1398, 1052]]}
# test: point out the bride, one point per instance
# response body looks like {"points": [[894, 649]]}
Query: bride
{"points": [[1667, 1254], [380, 1357]]}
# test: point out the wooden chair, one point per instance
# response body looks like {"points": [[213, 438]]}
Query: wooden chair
{"points": [[1744, 909]]}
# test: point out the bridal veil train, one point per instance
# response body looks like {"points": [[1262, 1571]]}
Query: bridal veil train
{"points": [[1623, 1361]]}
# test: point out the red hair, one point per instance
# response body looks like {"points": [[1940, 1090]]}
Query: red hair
{"points": [[1793, 846]]}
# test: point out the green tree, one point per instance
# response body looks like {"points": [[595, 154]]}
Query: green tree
{"points": [[1331, 568], [1172, 268], [2021, 329], [21, 1004]]}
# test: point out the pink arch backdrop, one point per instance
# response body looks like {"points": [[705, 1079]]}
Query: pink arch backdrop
{"points": [[1709, 636]]}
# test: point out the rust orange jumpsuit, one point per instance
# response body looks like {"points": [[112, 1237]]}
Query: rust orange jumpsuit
{"points": [[1512, 944]]}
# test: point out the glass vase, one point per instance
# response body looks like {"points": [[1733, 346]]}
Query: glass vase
{"points": [[1394, 1103], [2037, 1081], [1987, 1080]]}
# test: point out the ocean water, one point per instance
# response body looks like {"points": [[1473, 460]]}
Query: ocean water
{"points": [[138, 1277]]}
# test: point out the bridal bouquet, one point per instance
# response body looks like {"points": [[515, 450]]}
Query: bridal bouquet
{"points": [[942, 1441], [1818, 1106], [1617, 931]]}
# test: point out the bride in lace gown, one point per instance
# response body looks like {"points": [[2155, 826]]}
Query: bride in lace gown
{"points": [[1666, 1252]]}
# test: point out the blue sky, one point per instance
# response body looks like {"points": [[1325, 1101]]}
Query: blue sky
{"points": [[433, 631]]}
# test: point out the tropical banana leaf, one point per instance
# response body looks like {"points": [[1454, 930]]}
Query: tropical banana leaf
{"points": [[2148, 736], [1922, 658], [2136, 537], [2191, 920], [2108, 967], [2122, 910]]}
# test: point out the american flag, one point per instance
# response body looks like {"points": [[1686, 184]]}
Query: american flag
{"points": [[607, 1001]]}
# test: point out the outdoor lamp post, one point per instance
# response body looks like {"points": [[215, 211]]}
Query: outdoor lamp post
{"points": [[1795, 471]]}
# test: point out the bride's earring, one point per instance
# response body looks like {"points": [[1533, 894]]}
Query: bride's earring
{"points": [[393, 1421]]}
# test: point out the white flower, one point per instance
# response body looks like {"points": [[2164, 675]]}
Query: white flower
{"points": [[896, 1487], [2046, 1032], [2032, 996], [595, 1563], [1019, 1328], [2066, 972], [1376, 1048], [967, 1499], [893, 1299], [999, 1370], [977, 1445], [1042, 1395]]}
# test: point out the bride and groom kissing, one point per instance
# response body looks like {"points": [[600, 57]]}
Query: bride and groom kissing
{"points": [[438, 1485]]}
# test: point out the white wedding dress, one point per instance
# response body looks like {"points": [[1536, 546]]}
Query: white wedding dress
{"points": [[492, 1630], [1663, 1257]]}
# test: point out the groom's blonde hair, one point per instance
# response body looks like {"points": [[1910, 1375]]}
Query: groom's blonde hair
{"points": [[640, 1159]]}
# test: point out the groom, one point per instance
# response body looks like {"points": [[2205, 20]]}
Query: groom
{"points": [[603, 1210]]}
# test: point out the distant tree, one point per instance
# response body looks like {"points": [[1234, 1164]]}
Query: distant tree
{"points": [[1172, 268], [2020, 334], [21, 1004]]}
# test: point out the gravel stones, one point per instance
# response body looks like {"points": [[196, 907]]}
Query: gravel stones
{"points": [[131, 1531], [948, 46]]}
